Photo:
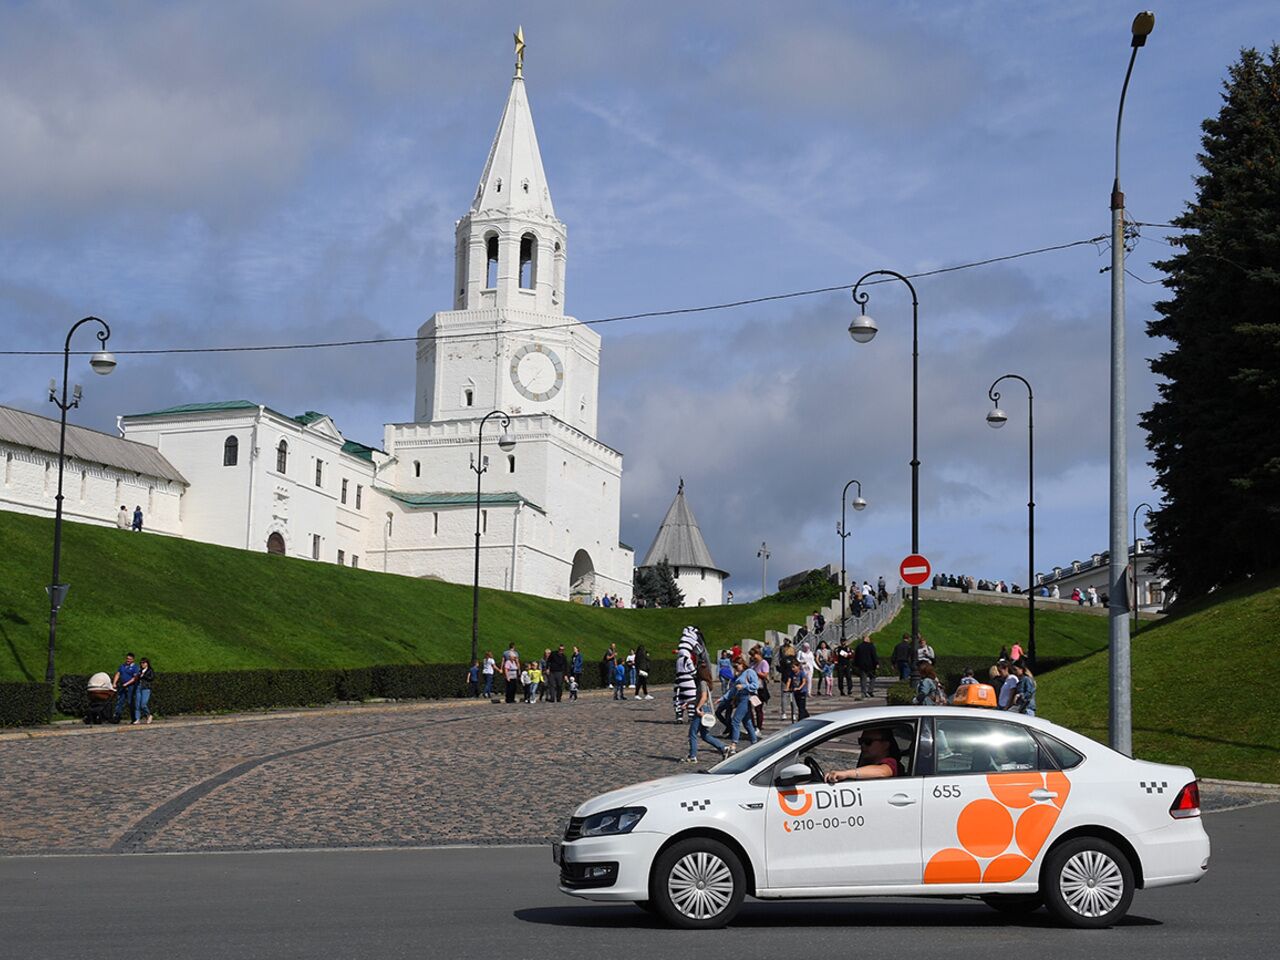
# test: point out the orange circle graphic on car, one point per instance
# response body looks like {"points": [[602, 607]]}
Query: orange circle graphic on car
{"points": [[985, 828], [802, 809], [952, 866]]}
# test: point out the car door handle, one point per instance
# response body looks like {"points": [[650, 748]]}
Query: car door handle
{"points": [[901, 800], [1042, 794]]}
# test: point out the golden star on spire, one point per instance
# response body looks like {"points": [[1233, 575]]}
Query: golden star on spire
{"points": [[519, 37]]}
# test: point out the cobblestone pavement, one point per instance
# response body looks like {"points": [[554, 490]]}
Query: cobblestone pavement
{"points": [[409, 774]]}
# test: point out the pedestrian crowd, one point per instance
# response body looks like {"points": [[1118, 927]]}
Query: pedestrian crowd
{"points": [[128, 521]]}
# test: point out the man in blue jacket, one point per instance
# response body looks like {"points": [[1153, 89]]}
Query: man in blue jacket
{"points": [[126, 683]]}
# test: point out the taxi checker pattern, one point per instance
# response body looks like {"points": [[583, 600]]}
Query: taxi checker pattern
{"points": [[1153, 786], [693, 806], [1006, 830]]}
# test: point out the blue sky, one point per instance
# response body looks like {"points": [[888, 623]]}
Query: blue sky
{"points": [[239, 173]]}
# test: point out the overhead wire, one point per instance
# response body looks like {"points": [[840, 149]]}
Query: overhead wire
{"points": [[645, 315]]}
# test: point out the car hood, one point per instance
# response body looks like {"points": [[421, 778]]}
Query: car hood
{"points": [[637, 793]]}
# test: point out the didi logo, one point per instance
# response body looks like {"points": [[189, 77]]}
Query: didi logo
{"points": [[785, 798]]}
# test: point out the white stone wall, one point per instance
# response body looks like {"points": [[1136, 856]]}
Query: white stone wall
{"points": [[242, 505], [92, 492], [698, 584]]}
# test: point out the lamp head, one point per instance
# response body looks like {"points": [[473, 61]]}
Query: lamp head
{"points": [[102, 362], [863, 329], [506, 442], [1143, 24], [76, 394], [997, 418], [859, 503]]}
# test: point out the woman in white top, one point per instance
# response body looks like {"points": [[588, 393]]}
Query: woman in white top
{"points": [[807, 660]]}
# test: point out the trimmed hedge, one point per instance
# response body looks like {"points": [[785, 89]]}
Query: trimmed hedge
{"points": [[25, 704], [175, 693]]}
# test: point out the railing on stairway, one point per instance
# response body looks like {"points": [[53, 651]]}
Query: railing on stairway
{"points": [[871, 620]]}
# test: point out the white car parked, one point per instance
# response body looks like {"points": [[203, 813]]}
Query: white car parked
{"points": [[1012, 809]]}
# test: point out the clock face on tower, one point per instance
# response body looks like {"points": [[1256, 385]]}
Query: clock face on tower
{"points": [[537, 372]]}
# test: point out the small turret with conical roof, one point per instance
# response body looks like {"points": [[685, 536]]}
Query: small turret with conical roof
{"points": [[680, 543]]}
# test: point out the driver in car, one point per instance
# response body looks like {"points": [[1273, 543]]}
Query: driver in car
{"points": [[881, 757]]}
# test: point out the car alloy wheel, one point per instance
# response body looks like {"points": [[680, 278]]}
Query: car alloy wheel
{"points": [[700, 885], [1087, 882], [697, 883], [1092, 884]]}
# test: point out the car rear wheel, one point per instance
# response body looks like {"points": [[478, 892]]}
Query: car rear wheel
{"points": [[697, 884], [1014, 904], [1087, 882]]}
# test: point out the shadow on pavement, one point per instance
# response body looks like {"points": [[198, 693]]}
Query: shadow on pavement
{"points": [[808, 913]]}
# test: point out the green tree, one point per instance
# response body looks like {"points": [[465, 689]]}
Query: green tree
{"points": [[669, 593], [645, 587], [1215, 431]]}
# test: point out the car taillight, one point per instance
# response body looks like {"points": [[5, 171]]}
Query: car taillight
{"points": [[1187, 802]]}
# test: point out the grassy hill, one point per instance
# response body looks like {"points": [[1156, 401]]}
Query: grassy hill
{"points": [[979, 630], [1203, 690], [192, 607]]}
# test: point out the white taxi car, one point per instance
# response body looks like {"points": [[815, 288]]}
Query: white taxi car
{"points": [[1012, 809]]}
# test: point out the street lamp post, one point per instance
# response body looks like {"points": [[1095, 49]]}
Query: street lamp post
{"points": [[842, 528], [763, 555], [863, 329], [480, 464], [102, 362], [1121, 703], [1134, 595], [997, 418]]}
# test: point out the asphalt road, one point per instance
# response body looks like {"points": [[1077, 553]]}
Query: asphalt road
{"points": [[465, 902]]}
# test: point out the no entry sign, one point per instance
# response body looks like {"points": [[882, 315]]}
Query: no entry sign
{"points": [[914, 570]]}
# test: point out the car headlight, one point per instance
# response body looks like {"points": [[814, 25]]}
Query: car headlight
{"points": [[622, 820]]}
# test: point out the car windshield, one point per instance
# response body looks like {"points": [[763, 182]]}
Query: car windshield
{"points": [[774, 743]]}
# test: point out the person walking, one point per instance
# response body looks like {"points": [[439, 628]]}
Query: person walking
{"points": [[807, 662], [631, 669], [1024, 696], [903, 657], [724, 667], [799, 681], [125, 682], [557, 667], [930, 692], [473, 678], [619, 680], [575, 666], [761, 667], [686, 685], [488, 670], [746, 683], [142, 699], [137, 519], [607, 663], [511, 673], [867, 662], [642, 673], [924, 653], [122, 518], [844, 668]]}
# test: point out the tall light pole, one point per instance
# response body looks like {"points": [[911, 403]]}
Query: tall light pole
{"points": [[842, 528], [102, 362], [763, 555], [1136, 605], [1121, 712], [863, 330], [998, 418], [480, 464]]}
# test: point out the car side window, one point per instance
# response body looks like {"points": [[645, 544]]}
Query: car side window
{"points": [[1058, 755], [983, 746], [843, 751]]}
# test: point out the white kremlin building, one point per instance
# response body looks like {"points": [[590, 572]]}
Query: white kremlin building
{"points": [[241, 474], [680, 543]]}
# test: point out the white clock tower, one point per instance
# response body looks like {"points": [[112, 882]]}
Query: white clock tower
{"points": [[507, 343], [550, 508]]}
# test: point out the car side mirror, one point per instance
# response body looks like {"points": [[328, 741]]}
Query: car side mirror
{"points": [[793, 773]]}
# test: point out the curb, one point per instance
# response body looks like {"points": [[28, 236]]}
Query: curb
{"points": [[74, 728], [1243, 785]]}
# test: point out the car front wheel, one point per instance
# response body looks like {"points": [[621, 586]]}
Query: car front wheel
{"points": [[1087, 882], [697, 884]]}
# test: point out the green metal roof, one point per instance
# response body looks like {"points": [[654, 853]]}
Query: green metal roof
{"points": [[200, 408], [308, 418], [444, 499], [360, 450]]}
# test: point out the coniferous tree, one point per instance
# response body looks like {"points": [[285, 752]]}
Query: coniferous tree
{"points": [[669, 592], [1215, 431], [645, 587]]}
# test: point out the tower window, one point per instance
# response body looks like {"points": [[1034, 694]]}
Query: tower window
{"points": [[525, 185], [491, 264], [511, 463], [344, 489], [468, 397], [498, 183], [528, 255], [230, 451], [359, 493], [417, 468], [282, 457], [435, 524]]}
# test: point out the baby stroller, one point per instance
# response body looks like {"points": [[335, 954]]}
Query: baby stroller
{"points": [[100, 694]]}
